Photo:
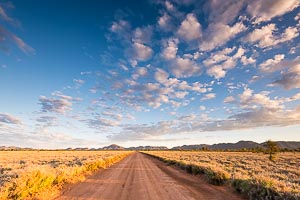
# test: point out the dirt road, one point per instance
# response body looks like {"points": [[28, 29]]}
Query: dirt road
{"points": [[140, 177]]}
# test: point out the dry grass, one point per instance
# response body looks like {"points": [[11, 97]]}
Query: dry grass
{"points": [[249, 173], [40, 174]]}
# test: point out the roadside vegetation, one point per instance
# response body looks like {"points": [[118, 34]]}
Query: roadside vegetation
{"points": [[41, 174], [257, 176]]}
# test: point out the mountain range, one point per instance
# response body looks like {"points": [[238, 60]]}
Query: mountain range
{"points": [[290, 145]]}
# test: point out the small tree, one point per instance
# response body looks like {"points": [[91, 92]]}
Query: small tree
{"points": [[272, 148]]}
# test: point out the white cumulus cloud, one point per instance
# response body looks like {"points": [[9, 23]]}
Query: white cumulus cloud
{"points": [[190, 28]]}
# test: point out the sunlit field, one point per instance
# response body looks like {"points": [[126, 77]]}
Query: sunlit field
{"points": [[252, 174], [26, 174]]}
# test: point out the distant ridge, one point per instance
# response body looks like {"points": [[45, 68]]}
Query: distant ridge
{"points": [[139, 148], [248, 145], [239, 145], [288, 145], [191, 147], [10, 148], [113, 147]]}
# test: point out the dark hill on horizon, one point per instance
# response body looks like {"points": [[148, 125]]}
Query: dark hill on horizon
{"points": [[113, 147], [290, 145]]}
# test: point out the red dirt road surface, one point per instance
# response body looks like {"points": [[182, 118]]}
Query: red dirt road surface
{"points": [[140, 177]]}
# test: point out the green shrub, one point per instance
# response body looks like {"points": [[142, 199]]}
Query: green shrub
{"points": [[216, 177]]}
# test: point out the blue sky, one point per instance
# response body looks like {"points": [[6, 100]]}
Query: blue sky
{"points": [[88, 74]]}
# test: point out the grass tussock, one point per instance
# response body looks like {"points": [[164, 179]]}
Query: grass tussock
{"points": [[45, 181], [256, 189], [254, 181]]}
